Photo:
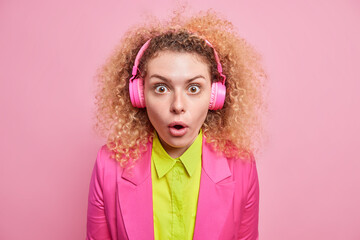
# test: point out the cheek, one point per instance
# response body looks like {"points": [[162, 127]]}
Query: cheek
{"points": [[202, 105], [201, 111], [151, 112], [154, 115]]}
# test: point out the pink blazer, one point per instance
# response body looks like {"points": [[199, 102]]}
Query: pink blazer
{"points": [[120, 200]]}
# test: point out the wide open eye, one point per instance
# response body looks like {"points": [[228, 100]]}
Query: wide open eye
{"points": [[161, 89], [193, 89]]}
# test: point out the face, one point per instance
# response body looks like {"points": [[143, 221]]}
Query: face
{"points": [[177, 90]]}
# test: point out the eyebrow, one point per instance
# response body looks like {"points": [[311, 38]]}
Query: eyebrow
{"points": [[168, 80]]}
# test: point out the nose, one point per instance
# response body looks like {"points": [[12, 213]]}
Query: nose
{"points": [[178, 103]]}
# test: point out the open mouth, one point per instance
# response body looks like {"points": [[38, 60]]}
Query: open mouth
{"points": [[178, 127]]}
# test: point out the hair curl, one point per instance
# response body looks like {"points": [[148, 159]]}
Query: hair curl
{"points": [[234, 130]]}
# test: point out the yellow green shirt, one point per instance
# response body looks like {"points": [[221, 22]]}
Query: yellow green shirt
{"points": [[175, 190]]}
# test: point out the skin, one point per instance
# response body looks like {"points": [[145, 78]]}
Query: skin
{"points": [[177, 87]]}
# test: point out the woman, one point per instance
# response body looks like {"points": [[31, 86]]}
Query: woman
{"points": [[180, 105]]}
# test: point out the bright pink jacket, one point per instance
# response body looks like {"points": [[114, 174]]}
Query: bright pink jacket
{"points": [[120, 200]]}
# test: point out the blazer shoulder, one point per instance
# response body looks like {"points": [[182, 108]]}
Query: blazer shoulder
{"points": [[244, 166], [105, 162], [105, 155], [246, 159]]}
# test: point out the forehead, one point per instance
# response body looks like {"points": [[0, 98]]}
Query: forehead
{"points": [[171, 61]]}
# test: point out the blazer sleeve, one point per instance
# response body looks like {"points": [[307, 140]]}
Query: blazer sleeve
{"points": [[249, 223], [97, 227]]}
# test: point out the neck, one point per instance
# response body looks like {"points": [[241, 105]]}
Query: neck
{"points": [[173, 151]]}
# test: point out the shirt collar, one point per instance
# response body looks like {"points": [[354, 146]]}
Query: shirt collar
{"points": [[164, 163]]}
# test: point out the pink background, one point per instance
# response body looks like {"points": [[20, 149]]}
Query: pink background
{"points": [[309, 170]]}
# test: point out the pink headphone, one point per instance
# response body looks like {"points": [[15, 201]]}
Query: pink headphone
{"points": [[136, 87]]}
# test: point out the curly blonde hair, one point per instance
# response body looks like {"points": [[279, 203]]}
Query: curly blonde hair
{"points": [[234, 130]]}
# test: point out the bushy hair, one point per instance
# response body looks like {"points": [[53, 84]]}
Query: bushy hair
{"points": [[234, 130]]}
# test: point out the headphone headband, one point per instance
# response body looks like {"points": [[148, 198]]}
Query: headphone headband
{"points": [[138, 57], [146, 45]]}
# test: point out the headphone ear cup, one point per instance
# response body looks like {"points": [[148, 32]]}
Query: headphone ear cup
{"points": [[218, 93], [136, 90]]}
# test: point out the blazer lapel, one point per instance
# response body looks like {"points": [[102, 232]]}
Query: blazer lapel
{"points": [[215, 196], [135, 198]]}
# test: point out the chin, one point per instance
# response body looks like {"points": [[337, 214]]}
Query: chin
{"points": [[187, 141]]}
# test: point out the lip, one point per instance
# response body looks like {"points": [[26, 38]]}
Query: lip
{"points": [[178, 123], [178, 132]]}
